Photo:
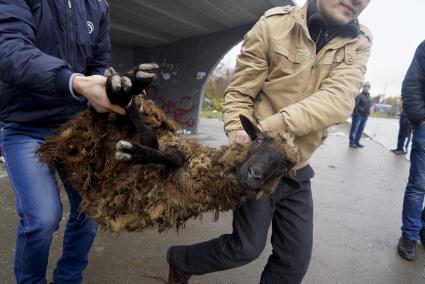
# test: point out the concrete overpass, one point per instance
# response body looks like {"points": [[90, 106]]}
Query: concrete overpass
{"points": [[187, 38]]}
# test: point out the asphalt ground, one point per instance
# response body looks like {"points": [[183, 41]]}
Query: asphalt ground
{"points": [[357, 195]]}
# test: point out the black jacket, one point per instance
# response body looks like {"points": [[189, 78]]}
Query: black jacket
{"points": [[42, 42], [413, 88], [362, 106]]}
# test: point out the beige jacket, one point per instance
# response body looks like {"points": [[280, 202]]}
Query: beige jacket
{"points": [[282, 83]]}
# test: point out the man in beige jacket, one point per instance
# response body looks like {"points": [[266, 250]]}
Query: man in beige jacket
{"points": [[299, 70]]}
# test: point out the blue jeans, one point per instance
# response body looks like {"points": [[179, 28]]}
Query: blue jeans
{"points": [[357, 126], [413, 212], [40, 210]]}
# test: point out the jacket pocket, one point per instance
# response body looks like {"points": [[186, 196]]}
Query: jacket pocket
{"points": [[286, 61], [335, 57], [330, 60]]}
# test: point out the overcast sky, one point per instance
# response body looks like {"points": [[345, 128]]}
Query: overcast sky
{"points": [[398, 27]]}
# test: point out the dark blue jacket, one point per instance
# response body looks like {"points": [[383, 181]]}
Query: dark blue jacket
{"points": [[42, 42], [362, 106], [413, 89]]}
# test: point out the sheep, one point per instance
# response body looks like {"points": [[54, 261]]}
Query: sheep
{"points": [[140, 186]]}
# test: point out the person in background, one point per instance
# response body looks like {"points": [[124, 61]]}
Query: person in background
{"points": [[404, 134], [299, 70], [52, 56], [413, 215], [359, 117], [1, 156]]}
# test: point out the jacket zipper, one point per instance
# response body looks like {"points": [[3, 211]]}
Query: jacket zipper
{"points": [[70, 32]]}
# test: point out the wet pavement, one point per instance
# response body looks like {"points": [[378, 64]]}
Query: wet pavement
{"points": [[357, 196]]}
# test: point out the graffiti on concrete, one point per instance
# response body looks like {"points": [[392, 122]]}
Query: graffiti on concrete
{"points": [[201, 75], [169, 72], [179, 111]]}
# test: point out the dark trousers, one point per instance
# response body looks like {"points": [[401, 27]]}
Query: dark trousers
{"points": [[404, 133], [413, 204], [290, 211], [358, 124]]}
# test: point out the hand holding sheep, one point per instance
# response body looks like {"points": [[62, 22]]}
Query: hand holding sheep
{"points": [[114, 92]]}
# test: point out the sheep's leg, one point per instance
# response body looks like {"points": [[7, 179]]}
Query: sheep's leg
{"points": [[139, 154], [141, 76], [121, 89], [118, 88], [147, 136]]}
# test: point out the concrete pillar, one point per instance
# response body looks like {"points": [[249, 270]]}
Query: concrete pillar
{"points": [[123, 57], [184, 69]]}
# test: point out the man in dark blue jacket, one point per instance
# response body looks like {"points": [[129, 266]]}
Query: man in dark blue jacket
{"points": [[413, 216], [359, 117], [51, 56]]}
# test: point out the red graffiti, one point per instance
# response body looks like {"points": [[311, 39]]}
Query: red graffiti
{"points": [[179, 111]]}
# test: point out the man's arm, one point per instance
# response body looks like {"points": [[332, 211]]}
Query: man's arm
{"points": [[21, 63], [413, 87], [331, 104], [248, 79]]}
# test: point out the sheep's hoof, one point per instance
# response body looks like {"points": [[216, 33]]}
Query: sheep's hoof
{"points": [[121, 156], [148, 67], [116, 83], [126, 84], [123, 145], [121, 151], [144, 75]]}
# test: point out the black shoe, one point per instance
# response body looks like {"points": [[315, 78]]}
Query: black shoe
{"points": [[407, 249], [174, 276], [422, 237], [352, 145], [359, 145], [399, 152]]}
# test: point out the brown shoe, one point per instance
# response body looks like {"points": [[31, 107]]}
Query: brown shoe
{"points": [[175, 277]]}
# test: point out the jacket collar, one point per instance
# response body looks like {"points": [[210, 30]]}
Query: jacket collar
{"points": [[299, 16], [351, 29]]}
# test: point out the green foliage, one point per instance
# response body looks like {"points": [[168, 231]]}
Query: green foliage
{"points": [[214, 92], [213, 98]]}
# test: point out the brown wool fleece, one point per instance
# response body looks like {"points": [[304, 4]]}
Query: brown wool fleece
{"points": [[126, 197]]}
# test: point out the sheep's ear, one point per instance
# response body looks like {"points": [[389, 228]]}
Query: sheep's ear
{"points": [[250, 128]]}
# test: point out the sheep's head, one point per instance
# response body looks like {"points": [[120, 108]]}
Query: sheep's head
{"points": [[271, 154]]}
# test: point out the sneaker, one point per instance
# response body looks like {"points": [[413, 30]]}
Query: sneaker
{"points": [[407, 249], [2, 159], [359, 145], [352, 145], [399, 152]]}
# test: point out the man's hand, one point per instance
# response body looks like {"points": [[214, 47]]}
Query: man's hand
{"points": [[94, 89], [241, 137]]}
